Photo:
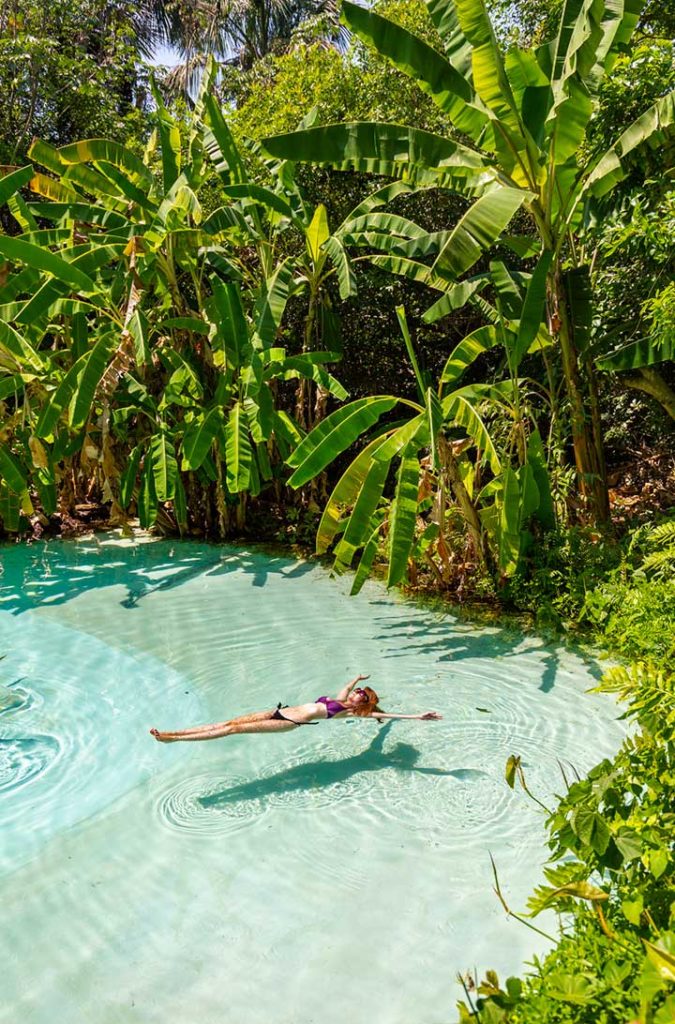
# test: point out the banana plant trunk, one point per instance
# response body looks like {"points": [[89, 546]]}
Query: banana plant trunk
{"points": [[466, 505], [584, 408]]}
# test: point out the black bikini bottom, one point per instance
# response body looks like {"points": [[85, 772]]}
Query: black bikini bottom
{"points": [[282, 718]]}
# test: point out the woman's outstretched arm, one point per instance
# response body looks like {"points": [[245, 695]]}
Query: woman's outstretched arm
{"points": [[346, 690]]}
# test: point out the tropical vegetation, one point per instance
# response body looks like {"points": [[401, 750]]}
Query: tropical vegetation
{"points": [[269, 306]]}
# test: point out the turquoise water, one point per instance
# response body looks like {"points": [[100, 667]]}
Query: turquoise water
{"points": [[330, 874]]}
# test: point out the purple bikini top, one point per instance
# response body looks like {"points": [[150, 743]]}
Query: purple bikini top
{"points": [[333, 707]]}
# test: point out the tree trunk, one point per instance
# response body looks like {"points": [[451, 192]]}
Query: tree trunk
{"points": [[584, 413], [651, 382]]}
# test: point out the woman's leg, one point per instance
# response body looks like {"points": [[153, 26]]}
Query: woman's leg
{"points": [[224, 729], [195, 730]]}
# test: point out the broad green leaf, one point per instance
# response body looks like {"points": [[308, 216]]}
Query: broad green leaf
{"points": [[638, 353], [359, 525], [414, 432], [367, 555], [467, 351], [11, 471], [457, 46], [337, 254], [54, 408], [532, 312], [12, 182], [94, 365], [456, 296], [139, 328], [431, 71], [10, 509], [170, 141], [96, 150], [238, 451], [147, 496], [265, 197], [272, 302], [632, 909], [536, 459], [180, 505], [509, 523], [164, 465], [334, 434], [302, 366], [318, 232], [480, 226], [653, 127], [344, 494], [226, 311], [220, 145], [128, 478], [42, 259], [375, 148], [403, 517], [198, 437], [12, 343], [458, 407], [663, 958], [591, 828]]}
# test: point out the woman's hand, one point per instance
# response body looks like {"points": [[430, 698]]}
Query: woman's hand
{"points": [[360, 679], [431, 716]]}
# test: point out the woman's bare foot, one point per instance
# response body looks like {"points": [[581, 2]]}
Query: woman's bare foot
{"points": [[161, 737]]}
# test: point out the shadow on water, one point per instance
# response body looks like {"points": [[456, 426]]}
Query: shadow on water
{"points": [[56, 572], [319, 774], [432, 636]]}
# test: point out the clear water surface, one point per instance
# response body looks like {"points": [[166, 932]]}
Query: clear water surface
{"points": [[331, 874]]}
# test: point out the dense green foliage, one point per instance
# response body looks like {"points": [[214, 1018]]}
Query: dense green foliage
{"points": [[179, 295]]}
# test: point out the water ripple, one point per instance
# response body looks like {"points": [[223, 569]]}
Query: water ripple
{"points": [[23, 759], [199, 805]]}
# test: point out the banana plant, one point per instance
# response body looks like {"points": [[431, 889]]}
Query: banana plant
{"points": [[432, 470], [522, 116]]}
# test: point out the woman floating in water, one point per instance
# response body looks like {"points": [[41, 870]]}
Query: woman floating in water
{"points": [[351, 701]]}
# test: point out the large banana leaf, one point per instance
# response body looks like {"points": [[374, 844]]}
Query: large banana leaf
{"points": [[94, 365], [12, 182], [147, 496], [198, 437], [434, 74], [644, 352], [164, 465], [359, 525], [377, 148], [226, 311], [337, 254], [344, 494], [128, 478], [11, 471], [480, 226], [20, 350], [238, 452], [467, 351], [368, 554], [220, 145], [459, 408], [96, 150], [532, 313], [457, 46], [653, 127], [335, 434], [42, 259], [272, 300], [402, 517]]}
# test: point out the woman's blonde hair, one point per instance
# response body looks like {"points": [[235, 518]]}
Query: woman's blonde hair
{"points": [[371, 706]]}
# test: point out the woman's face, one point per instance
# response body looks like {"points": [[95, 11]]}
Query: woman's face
{"points": [[358, 697]]}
